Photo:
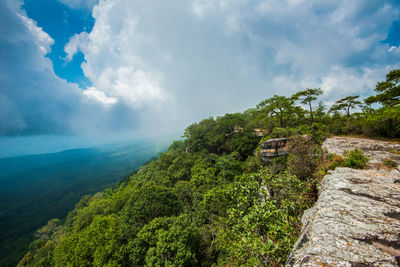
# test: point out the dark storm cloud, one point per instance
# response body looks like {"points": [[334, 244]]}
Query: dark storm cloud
{"points": [[156, 66], [32, 98]]}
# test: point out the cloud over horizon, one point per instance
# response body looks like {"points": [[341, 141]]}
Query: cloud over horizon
{"points": [[210, 57], [33, 99], [158, 65]]}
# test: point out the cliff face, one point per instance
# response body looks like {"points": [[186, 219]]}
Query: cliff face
{"points": [[356, 220]]}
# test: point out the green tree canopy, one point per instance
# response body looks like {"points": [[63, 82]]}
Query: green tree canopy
{"points": [[307, 96], [280, 106], [347, 103], [165, 241], [388, 91], [147, 203]]}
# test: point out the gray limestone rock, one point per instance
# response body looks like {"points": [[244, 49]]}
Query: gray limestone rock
{"points": [[356, 220], [376, 150]]}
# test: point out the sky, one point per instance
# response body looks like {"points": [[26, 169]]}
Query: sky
{"points": [[112, 69]]}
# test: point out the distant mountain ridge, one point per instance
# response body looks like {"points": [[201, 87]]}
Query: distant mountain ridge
{"points": [[35, 188]]}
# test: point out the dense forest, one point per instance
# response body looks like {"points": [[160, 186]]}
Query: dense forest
{"points": [[37, 188], [210, 199]]}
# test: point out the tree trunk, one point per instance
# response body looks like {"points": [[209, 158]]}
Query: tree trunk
{"points": [[348, 117], [311, 114]]}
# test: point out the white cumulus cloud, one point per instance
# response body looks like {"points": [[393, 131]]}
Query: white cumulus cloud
{"points": [[99, 96], [180, 61], [157, 65], [34, 100]]}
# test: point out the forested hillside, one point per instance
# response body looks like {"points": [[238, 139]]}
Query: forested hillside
{"points": [[37, 188], [210, 199]]}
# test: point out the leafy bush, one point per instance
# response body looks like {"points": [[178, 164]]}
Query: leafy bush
{"points": [[165, 241], [318, 133], [329, 162], [260, 227], [303, 157], [278, 164], [383, 122], [391, 163], [355, 159], [283, 132], [337, 161]]}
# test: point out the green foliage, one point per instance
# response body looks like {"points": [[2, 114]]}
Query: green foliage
{"points": [[388, 91], [46, 186], [355, 159], [180, 210], [303, 157], [334, 162], [145, 204], [283, 132], [279, 106], [172, 241], [43, 246], [383, 122], [95, 245], [224, 134], [386, 120], [306, 97], [252, 164], [318, 133], [278, 164], [243, 143], [347, 104], [320, 114], [259, 229], [210, 199], [391, 163]]}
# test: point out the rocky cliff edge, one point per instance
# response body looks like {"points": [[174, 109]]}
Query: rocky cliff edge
{"points": [[356, 220]]}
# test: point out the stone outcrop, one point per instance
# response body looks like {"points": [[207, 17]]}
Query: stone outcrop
{"points": [[356, 220], [376, 150]]}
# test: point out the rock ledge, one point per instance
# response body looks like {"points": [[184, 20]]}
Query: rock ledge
{"points": [[355, 222]]}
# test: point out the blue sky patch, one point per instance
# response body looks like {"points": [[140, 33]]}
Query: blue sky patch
{"points": [[61, 23]]}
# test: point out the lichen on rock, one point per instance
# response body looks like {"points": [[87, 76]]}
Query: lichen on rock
{"points": [[356, 219]]}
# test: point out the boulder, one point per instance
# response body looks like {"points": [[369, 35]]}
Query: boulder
{"points": [[355, 222], [356, 219]]}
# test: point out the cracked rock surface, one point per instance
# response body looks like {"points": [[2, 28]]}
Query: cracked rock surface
{"points": [[376, 150], [356, 220]]}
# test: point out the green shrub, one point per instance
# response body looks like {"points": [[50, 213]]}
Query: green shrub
{"points": [[260, 228], [391, 163], [328, 163], [278, 132], [383, 122], [356, 159], [319, 133], [303, 157], [166, 241]]}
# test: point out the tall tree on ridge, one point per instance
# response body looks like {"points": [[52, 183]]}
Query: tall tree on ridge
{"points": [[281, 106], [388, 91], [347, 103], [307, 96]]}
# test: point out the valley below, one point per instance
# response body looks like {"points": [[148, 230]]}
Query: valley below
{"points": [[37, 188]]}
